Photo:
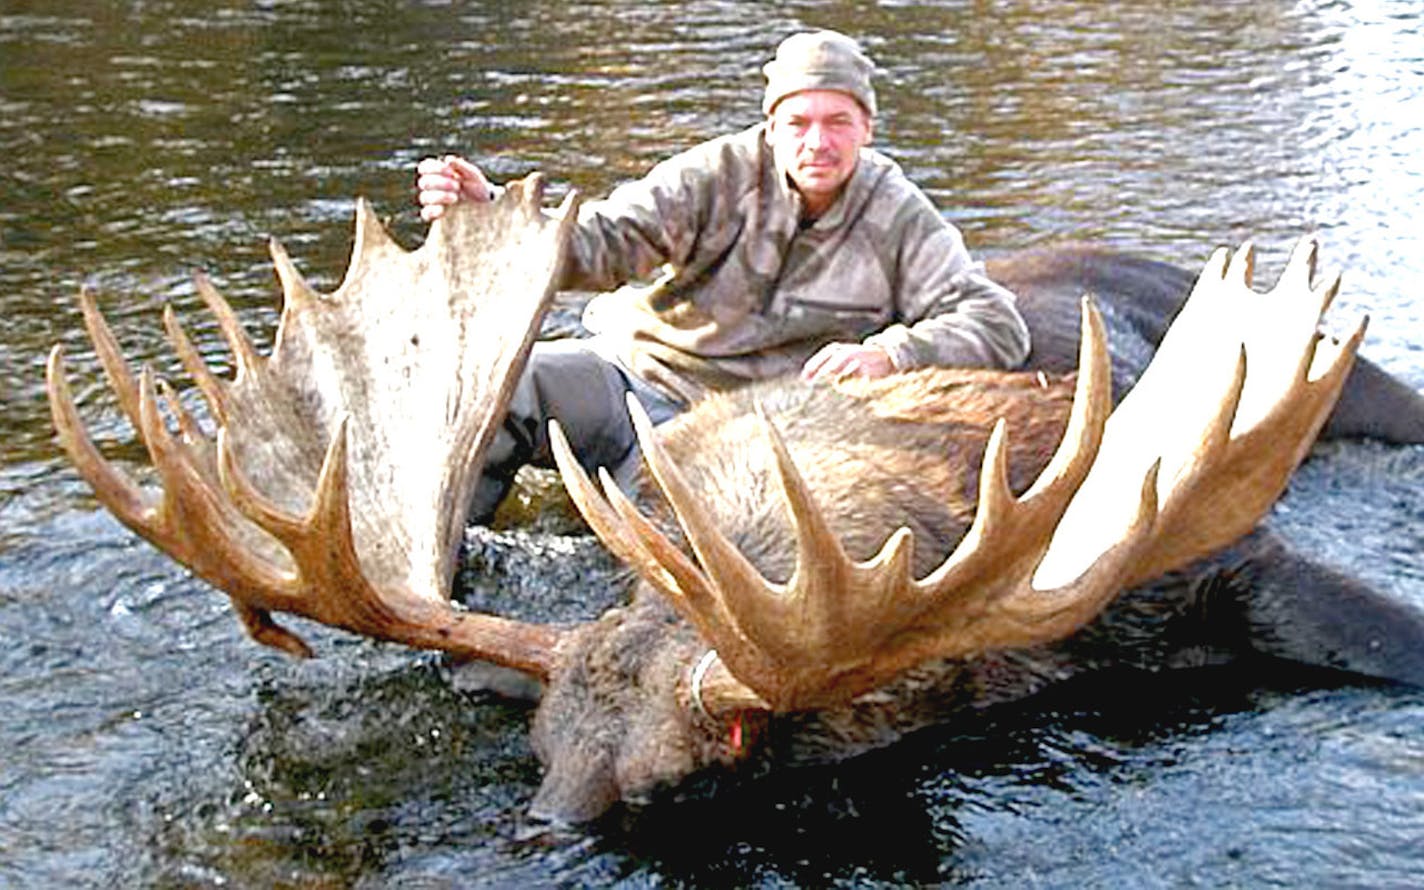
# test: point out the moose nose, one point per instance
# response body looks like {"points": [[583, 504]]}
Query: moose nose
{"points": [[575, 791]]}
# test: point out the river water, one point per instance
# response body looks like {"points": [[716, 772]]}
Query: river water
{"points": [[145, 742]]}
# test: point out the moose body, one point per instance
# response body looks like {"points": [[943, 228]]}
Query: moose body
{"points": [[826, 567], [613, 725]]}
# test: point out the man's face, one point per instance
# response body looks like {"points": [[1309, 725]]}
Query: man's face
{"points": [[816, 136]]}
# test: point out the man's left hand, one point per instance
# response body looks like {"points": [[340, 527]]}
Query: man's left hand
{"points": [[836, 360]]}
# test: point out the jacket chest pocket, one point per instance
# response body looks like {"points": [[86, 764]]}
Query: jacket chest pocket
{"points": [[811, 316], [837, 278], [850, 297]]}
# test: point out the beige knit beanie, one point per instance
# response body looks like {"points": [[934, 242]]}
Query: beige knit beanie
{"points": [[819, 60]]}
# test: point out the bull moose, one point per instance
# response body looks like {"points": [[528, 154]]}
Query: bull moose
{"points": [[846, 562]]}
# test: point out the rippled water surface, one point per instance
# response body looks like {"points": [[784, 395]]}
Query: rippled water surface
{"points": [[145, 742]]}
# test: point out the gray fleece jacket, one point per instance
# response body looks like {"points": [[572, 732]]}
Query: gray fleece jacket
{"points": [[732, 286]]}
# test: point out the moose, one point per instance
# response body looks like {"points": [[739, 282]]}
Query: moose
{"points": [[846, 563]]}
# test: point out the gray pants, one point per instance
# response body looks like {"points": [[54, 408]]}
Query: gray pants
{"points": [[571, 381]]}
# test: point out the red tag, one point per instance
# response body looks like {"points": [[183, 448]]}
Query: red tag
{"points": [[736, 734]]}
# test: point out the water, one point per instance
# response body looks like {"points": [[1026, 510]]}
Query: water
{"points": [[145, 742]]}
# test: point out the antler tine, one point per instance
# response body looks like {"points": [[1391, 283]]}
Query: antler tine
{"points": [[188, 426], [1242, 265], [195, 521], [325, 540], [817, 546], [820, 560], [745, 615], [594, 508], [261, 627], [295, 288], [625, 530], [212, 389], [642, 546], [244, 354], [1299, 273], [1092, 404], [681, 578], [730, 575], [611, 524], [742, 612], [278, 522], [113, 488], [1023, 526], [111, 358], [330, 585], [983, 595], [827, 589]]}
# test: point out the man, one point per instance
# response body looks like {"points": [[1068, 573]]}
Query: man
{"points": [[790, 247]]}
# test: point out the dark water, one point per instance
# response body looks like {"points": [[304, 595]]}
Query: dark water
{"points": [[145, 742]]}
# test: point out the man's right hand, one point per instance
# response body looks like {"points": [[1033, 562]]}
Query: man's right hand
{"points": [[448, 180]]}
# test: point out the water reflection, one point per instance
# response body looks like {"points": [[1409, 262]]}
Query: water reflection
{"points": [[148, 743]]}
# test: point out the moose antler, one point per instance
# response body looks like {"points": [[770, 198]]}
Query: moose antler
{"points": [[338, 480], [1190, 460]]}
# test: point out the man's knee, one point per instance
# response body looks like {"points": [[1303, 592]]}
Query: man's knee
{"points": [[585, 392]]}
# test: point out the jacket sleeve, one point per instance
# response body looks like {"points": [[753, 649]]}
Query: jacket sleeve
{"points": [[949, 311], [642, 224]]}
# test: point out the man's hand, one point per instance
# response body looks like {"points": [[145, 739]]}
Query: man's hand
{"points": [[445, 181], [835, 360]]}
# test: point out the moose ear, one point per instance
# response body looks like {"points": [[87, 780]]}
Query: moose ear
{"points": [[336, 483]]}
